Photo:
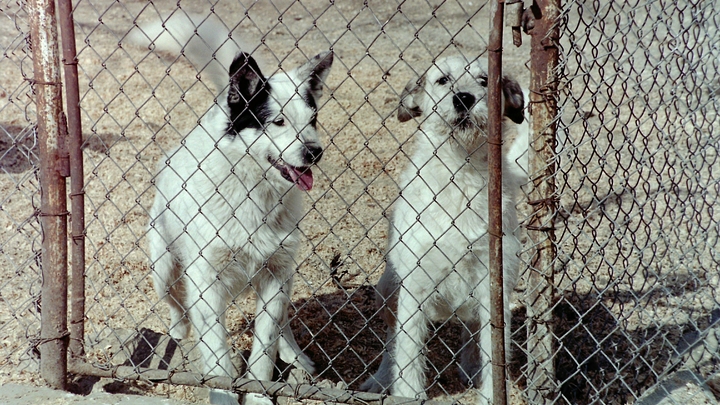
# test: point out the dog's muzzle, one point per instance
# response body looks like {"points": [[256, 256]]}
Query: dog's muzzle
{"points": [[463, 102], [301, 176], [312, 154]]}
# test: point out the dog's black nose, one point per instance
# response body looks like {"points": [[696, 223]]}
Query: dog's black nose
{"points": [[463, 102], [313, 154]]}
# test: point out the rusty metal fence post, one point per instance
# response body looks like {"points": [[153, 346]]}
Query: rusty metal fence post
{"points": [[495, 116], [74, 144], [53, 211], [542, 388]]}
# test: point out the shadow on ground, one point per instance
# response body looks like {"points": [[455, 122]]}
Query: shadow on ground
{"points": [[598, 359]]}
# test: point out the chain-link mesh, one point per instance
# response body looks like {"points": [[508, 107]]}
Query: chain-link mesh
{"points": [[636, 233], [19, 197]]}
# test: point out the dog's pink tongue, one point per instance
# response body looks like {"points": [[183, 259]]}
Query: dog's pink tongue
{"points": [[303, 179]]}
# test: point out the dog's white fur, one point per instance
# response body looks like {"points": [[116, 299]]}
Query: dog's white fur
{"points": [[224, 221], [437, 257]]}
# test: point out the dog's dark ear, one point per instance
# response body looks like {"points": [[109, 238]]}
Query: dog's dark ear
{"points": [[410, 100], [315, 71], [246, 79], [514, 100]]}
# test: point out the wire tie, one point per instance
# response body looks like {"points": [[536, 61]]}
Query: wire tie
{"points": [[61, 214], [41, 341], [33, 81]]}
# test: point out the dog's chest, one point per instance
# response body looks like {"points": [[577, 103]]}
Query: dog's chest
{"points": [[441, 240], [257, 226], [443, 205], [459, 292]]}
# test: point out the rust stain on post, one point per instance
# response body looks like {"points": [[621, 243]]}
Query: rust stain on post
{"points": [[53, 210], [495, 116], [542, 387], [77, 195]]}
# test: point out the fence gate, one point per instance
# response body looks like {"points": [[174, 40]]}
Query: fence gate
{"points": [[616, 302]]}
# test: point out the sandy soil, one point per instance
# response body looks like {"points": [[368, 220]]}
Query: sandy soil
{"points": [[637, 244]]}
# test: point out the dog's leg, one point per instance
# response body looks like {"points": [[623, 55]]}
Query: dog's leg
{"points": [[411, 333], [470, 357], [179, 322], [385, 301], [290, 352], [271, 302], [484, 378], [169, 285], [207, 306], [382, 379]]}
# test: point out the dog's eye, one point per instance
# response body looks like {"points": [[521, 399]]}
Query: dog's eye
{"points": [[280, 121], [483, 81], [443, 80]]}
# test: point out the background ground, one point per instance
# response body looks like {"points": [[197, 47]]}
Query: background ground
{"points": [[637, 180]]}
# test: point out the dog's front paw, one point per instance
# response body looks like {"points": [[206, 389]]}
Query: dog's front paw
{"points": [[222, 397], [299, 376], [380, 382], [290, 353], [305, 363], [257, 399], [372, 385]]}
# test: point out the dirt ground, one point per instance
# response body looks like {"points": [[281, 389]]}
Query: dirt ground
{"points": [[637, 251]]}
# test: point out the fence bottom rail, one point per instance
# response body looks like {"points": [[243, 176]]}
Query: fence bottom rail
{"points": [[242, 385]]}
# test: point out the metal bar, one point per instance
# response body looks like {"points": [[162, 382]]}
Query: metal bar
{"points": [[77, 195], [495, 116], [542, 388], [243, 385], [53, 210]]}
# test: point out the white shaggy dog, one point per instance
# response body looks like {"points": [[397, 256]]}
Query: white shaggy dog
{"points": [[437, 257], [225, 217]]}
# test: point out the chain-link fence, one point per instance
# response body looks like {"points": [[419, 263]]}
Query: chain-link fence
{"points": [[20, 242], [637, 230], [633, 311]]}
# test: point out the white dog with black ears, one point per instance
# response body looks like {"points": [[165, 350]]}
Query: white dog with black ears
{"points": [[225, 217], [437, 255]]}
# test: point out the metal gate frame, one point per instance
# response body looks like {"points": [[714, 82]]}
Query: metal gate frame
{"points": [[61, 157]]}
